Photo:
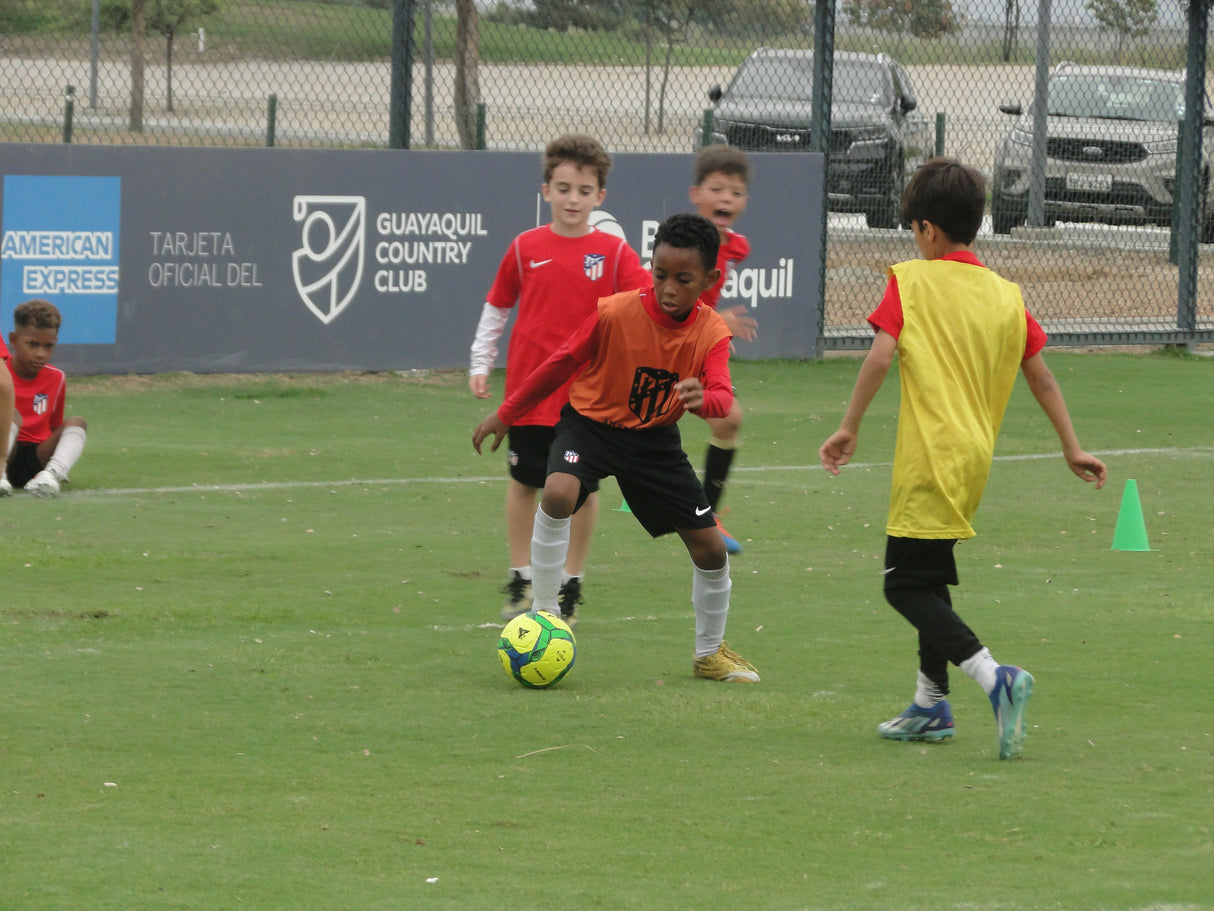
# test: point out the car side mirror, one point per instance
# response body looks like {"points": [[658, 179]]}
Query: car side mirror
{"points": [[714, 94], [909, 103], [1011, 107]]}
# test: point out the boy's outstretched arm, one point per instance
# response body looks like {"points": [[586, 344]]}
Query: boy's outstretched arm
{"points": [[1046, 391], [839, 448]]}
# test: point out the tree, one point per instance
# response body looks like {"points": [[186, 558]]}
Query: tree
{"points": [[467, 71], [1125, 18], [1011, 28], [138, 31], [921, 18], [168, 17]]}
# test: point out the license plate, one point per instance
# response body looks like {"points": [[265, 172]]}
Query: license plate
{"points": [[1099, 182]]}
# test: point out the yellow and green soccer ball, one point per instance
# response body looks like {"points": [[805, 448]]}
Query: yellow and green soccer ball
{"points": [[537, 648]]}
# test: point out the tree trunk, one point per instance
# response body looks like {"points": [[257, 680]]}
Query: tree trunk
{"points": [[135, 123], [168, 71], [467, 71]]}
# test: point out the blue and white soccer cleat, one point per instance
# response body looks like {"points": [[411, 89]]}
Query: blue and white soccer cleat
{"points": [[918, 723], [1010, 699]]}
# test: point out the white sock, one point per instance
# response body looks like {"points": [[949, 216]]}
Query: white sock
{"points": [[69, 450], [523, 571], [983, 668], [569, 577], [13, 430], [927, 694], [549, 545], [710, 598]]}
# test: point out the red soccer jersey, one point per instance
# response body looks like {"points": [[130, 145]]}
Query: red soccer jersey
{"points": [[888, 315], [733, 250], [556, 282], [633, 354], [40, 403]]}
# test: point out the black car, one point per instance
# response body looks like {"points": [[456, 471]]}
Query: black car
{"points": [[877, 135]]}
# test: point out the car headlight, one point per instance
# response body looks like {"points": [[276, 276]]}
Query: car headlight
{"points": [[1021, 137]]}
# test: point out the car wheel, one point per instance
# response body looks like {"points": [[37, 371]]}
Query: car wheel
{"points": [[888, 214], [1003, 218], [1207, 212]]}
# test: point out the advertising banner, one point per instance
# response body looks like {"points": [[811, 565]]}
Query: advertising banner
{"points": [[251, 260]]}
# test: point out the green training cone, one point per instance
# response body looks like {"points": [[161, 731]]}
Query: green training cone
{"points": [[1131, 531], [623, 506]]}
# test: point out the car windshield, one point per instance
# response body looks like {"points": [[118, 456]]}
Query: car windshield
{"points": [[1114, 97], [791, 79]]}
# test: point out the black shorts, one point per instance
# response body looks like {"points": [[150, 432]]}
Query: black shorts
{"points": [[527, 454], [23, 463], [919, 562], [654, 474]]}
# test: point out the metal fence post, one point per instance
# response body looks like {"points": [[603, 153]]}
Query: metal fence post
{"points": [[482, 113], [706, 128], [271, 119], [69, 110], [939, 134], [401, 94]]}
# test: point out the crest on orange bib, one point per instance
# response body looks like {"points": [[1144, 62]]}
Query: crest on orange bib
{"points": [[652, 389]]}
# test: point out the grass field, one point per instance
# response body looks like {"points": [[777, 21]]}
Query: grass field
{"points": [[247, 661]]}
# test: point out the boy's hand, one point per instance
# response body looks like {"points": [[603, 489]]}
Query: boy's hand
{"points": [[838, 450], [479, 384], [691, 393], [490, 425], [740, 323], [1087, 468]]}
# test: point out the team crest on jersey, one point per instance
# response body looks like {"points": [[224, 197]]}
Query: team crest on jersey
{"points": [[592, 265], [572, 457], [41, 401], [652, 388]]}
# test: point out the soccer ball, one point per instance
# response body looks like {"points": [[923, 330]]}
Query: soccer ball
{"points": [[537, 648]]}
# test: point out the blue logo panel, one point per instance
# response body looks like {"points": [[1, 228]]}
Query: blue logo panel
{"points": [[60, 243]]}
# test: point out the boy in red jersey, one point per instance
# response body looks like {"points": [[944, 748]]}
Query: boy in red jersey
{"points": [[639, 362], [720, 194], [554, 274], [7, 406], [961, 333], [48, 445]]}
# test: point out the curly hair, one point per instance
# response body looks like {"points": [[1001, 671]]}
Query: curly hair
{"points": [[686, 230], [38, 314], [580, 150]]}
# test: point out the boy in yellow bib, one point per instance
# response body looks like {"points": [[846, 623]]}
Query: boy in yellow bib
{"points": [[960, 333]]}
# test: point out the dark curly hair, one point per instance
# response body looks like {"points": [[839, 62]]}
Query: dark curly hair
{"points": [[687, 230], [37, 313]]}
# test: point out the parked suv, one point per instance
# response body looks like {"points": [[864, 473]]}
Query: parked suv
{"points": [[877, 134], [1110, 150]]}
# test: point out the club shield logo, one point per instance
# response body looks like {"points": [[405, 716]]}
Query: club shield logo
{"points": [[652, 388], [328, 265]]}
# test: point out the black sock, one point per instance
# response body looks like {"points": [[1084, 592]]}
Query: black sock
{"points": [[716, 469]]}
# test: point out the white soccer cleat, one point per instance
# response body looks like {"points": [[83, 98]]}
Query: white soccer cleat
{"points": [[43, 484], [6, 487]]}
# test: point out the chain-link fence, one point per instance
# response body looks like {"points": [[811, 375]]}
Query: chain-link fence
{"points": [[311, 73]]}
